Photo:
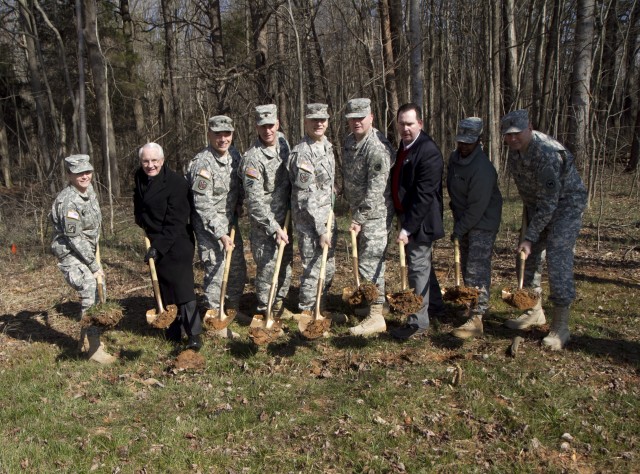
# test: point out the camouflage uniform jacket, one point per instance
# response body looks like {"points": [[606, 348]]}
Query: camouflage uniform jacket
{"points": [[76, 219], [266, 184], [365, 168], [216, 190], [311, 171], [548, 183]]}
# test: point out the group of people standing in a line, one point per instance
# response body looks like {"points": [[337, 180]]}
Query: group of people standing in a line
{"points": [[273, 180]]}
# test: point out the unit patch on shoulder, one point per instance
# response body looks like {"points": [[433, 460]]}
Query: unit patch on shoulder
{"points": [[251, 172], [73, 214], [200, 184], [204, 172]]}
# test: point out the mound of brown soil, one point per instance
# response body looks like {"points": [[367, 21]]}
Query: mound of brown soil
{"points": [[189, 360], [521, 299], [164, 319], [366, 293], [317, 328], [405, 302], [106, 315], [262, 336], [462, 295]]}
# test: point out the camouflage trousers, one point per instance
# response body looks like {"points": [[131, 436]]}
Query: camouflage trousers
{"points": [[557, 241], [476, 250], [265, 253], [372, 244], [77, 274], [311, 258], [212, 254]]}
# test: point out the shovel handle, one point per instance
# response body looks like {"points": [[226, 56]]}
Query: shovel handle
{"points": [[154, 278], [456, 259], [354, 257], [276, 271], [323, 268], [99, 282], [227, 266], [522, 263], [403, 266]]}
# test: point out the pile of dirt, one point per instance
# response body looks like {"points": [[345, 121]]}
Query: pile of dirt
{"points": [[366, 293], [189, 360], [462, 295], [164, 320], [317, 328], [212, 322], [106, 315], [521, 299], [405, 302], [262, 336]]}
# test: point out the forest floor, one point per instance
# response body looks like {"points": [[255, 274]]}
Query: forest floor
{"points": [[337, 404]]}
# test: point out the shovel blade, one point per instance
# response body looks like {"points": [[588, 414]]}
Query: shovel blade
{"points": [[312, 328], [164, 319], [215, 320]]}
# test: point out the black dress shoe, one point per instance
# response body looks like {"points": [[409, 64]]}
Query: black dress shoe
{"points": [[195, 343], [408, 331]]}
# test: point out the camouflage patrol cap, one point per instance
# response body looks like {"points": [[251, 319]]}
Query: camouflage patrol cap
{"points": [[221, 123], [514, 122], [266, 114], [78, 164], [469, 130], [358, 108], [317, 111]]}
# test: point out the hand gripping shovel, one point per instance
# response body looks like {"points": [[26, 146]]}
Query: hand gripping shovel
{"points": [[522, 299], [161, 317], [405, 301], [216, 318], [313, 327], [265, 329], [460, 294]]}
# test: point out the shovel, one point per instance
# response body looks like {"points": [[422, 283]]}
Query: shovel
{"points": [[265, 329], [313, 327], [521, 298], [161, 317], [104, 314], [216, 318], [460, 294], [348, 291], [405, 301]]}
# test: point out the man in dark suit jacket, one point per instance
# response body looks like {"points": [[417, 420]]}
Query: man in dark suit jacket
{"points": [[416, 187], [162, 208]]}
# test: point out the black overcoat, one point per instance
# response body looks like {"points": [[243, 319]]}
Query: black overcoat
{"points": [[420, 190], [162, 208]]}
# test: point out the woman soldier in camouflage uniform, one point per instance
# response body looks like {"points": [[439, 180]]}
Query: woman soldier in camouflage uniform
{"points": [[76, 219]]}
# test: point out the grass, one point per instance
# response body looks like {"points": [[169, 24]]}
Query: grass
{"points": [[340, 404]]}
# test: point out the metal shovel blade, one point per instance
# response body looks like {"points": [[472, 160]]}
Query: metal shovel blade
{"points": [[215, 320], [164, 319]]}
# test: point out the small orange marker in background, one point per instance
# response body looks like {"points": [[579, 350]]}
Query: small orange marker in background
{"points": [[14, 249]]}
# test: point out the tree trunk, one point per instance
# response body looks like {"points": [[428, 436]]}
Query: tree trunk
{"points": [[217, 54], [81, 109], [415, 41], [511, 57], [97, 65], [391, 102], [130, 64], [5, 158], [397, 43], [580, 84], [495, 103], [549, 76], [283, 109], [259, 17]]}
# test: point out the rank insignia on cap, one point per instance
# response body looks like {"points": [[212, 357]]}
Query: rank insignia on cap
{"points": [[252, 173], [204, 173], [73, 214]]}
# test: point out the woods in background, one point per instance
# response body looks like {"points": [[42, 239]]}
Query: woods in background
{"points": [[133, 72]]}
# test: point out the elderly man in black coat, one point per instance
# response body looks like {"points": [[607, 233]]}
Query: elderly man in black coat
{"points": [[162, 208], [416, 188]]}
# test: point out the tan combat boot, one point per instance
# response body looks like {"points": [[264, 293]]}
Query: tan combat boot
{"points": [[472, 328], [96, 351], [559, 331], [531, 317], [373, 324]]}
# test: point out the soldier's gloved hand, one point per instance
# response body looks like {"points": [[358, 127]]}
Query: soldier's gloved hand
{"points": [[281, 236], [227, 242], [151, 253], [325, 239]]}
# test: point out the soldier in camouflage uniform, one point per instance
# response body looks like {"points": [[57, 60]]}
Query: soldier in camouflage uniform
{"points": [[365, 168], [554, 198], [476, 204], [217, 198], [76, 219], [311, 172], [263, 171]]}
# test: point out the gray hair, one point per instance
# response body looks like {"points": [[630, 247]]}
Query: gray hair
{"points": [[151, 146]]}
